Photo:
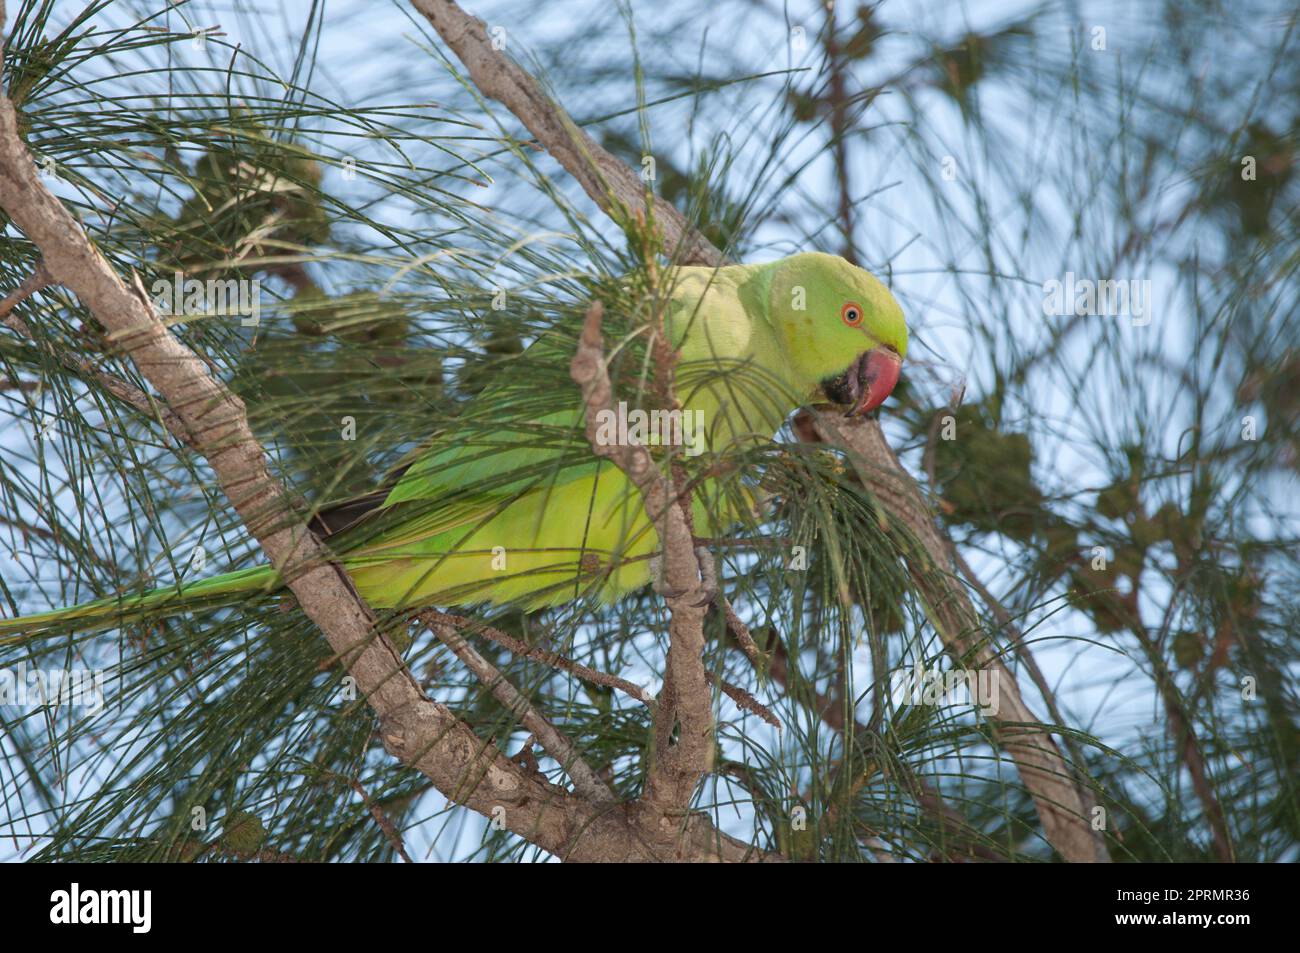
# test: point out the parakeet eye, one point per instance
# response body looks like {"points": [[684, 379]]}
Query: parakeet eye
{"points": [[851, 313]]}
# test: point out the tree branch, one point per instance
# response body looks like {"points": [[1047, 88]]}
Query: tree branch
{"points": [[124, 391], [585, 781], [607, 180], [1026, 656], [743, 699], [551, 659], [686, 703], [1043, 769]]}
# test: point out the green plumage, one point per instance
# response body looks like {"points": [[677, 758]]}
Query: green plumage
{"points": [[508, 521]]}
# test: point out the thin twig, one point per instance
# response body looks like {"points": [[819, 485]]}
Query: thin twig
{"points": [[33, 283], [550, 659], [744, 699], [740, 696], [123, 390], [836, 97], [585, 781], [382, 820]]}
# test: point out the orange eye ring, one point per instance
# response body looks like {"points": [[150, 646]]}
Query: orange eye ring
{"points": [[851, 314]]}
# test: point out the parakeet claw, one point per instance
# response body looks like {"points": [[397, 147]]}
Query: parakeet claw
{"points": [[657, 581], [708, 579], [671, 593], [708, 576]]}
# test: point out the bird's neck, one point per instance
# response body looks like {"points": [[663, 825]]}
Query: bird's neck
{"points": [[734, 370]]}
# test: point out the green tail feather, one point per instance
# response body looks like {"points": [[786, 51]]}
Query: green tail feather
{"points": [[116, 611]]}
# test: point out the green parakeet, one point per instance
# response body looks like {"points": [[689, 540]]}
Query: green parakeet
{"points": [[550, 524]]}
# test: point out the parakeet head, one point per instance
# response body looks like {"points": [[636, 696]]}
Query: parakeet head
{"points": [[844, 333]]}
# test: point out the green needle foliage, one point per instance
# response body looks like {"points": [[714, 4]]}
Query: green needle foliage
{"points": [[1121, 494]]}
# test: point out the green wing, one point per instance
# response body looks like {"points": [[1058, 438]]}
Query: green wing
{"points": [[511, 442]]}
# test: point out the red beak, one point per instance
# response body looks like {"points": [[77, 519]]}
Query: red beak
{"points": [[877, 373]]}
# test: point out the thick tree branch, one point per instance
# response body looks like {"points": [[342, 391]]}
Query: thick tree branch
{"points": [[610, 183], [1026, 656], [1044, 771], [684, 743]]}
